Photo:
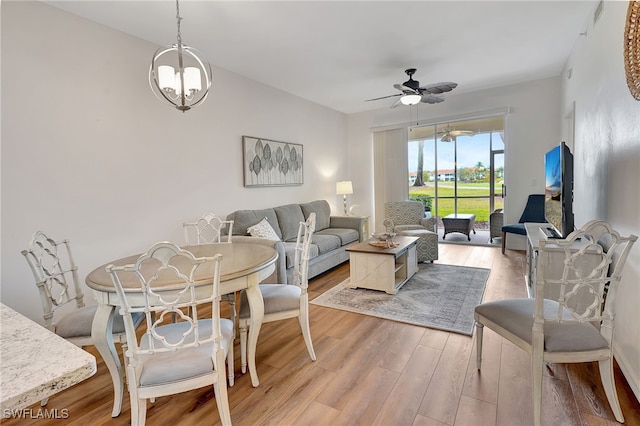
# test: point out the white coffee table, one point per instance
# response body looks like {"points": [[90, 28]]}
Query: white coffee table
{"points": [[379, 268]]}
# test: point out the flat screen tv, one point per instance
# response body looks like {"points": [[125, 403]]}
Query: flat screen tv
{"points": [[558, 191]]}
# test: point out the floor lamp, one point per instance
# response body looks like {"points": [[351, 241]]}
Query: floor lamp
{"points": [[344, 188]]}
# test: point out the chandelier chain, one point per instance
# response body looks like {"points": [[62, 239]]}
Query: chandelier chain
{"points": [[178, 19]]}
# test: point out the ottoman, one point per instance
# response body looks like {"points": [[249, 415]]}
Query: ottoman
{"points": [[427, 247]]}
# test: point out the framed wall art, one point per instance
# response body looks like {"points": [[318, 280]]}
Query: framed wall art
{"points": [[271, 163]]}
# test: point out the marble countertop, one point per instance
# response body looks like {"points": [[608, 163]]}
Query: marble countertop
{"points": [[36, 363]]}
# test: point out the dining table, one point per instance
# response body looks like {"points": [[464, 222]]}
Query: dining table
{"points": [[243, 267]]}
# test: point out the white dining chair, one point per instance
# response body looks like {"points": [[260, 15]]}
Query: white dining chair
{"points": [[208, 229], [282, 301], [56, 276], [566, 328], [173, 357]]}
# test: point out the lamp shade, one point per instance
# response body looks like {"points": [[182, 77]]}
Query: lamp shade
{"points": [[410, 99], [344, 187]]}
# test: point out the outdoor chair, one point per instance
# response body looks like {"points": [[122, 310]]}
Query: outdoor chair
{"points": [[496, 221]]}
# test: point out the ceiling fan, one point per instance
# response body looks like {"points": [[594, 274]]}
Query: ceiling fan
{"points": [[412, 93], [449, 134]]}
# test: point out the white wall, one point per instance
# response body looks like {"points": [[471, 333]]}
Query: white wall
{"points": [[532, 127], [89, 154], [607, 160]]}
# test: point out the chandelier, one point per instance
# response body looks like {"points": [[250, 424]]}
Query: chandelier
{"points": [[179, 74]]}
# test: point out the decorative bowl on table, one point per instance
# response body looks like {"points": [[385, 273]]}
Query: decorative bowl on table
{"points": [[384, 236], [383, 239]]}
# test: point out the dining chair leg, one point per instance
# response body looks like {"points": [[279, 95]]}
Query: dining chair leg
{"points": [[537, 390], [504, 241], [233, 314], [479, 335], [138, 409], [303, 319], [243, 346], [220, 390], [230, 366], [606, 376]]}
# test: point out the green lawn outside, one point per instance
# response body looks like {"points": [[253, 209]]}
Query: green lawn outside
{"points": [[477, 206]]}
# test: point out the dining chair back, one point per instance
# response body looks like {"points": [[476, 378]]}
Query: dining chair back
{"points": [[209, 228], [56, 276], [172, 357], [282, 301], [578, 324]]}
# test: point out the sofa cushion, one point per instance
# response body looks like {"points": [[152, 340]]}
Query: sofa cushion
{"points": [[345, 235], [243, 219], [289, 218], [322, 209], [325, 243], [290, 253], [263, 229]]}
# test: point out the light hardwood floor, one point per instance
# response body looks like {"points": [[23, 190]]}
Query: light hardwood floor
{"points": [[376, 372]]}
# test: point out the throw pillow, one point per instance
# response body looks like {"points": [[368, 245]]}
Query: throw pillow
{"points": [[263, 229]]}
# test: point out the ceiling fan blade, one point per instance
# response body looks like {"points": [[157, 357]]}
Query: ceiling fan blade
{"points": [[430, 99], [460, 132], [441, 87], [396, 103], [405, 89], [384, 97]]}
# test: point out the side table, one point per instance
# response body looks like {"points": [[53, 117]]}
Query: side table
{"points": [[460, 222]]}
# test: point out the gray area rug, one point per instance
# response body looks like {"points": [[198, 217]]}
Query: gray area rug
{"points": [[480, 238], [437, 296]]}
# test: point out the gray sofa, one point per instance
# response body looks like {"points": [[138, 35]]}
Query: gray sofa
{"points": [[332, 236]]}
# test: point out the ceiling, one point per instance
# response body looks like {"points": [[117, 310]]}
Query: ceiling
{"points": [[340, 53]]}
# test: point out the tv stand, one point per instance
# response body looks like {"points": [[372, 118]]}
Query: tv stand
{"points": [[537, 232]]}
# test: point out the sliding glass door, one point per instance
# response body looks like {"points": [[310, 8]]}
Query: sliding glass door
{"points": [[458, 167]]}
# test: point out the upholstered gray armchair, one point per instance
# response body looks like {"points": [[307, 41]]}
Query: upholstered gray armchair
{"points": [[408, 219]]}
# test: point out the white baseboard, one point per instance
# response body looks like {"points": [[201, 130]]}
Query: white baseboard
{"points": [[629, 373]]}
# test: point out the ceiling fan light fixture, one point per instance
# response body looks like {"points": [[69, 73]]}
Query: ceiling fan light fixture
{"points": [[410, 99]]}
